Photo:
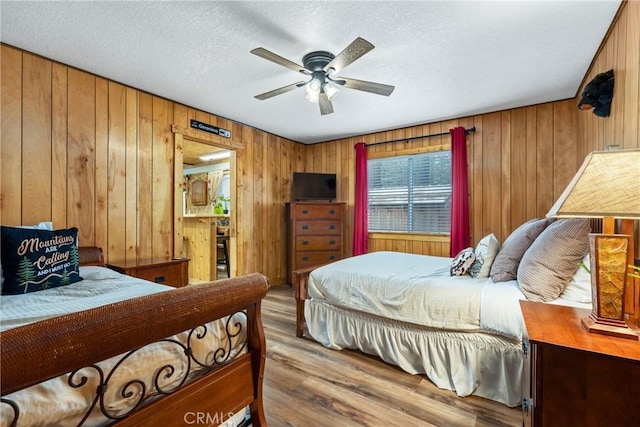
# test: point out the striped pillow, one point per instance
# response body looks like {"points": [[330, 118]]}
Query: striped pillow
{"points": [[553, 259], [505, 266]]}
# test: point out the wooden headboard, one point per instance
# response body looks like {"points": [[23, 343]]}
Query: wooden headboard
{"points": [[91, 255]]}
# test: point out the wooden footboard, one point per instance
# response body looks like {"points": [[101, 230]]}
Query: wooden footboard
{"points": [[300, 281], [36, 352]]}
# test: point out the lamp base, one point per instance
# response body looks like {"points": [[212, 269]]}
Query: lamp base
{"points": [[612, 327]]}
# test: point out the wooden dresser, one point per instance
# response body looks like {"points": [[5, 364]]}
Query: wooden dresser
{"points": [[165, 271], [577, 378], [315, 234]]}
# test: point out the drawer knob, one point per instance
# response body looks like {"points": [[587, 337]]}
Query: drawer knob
{"points": [[305, 227], [305, 242], [305, 258], [332, 242], [332, 257], [332, 227], [159, 279], [305, 211], [332, 212]]}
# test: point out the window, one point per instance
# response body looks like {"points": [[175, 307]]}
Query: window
{"points": [[225, 188], [410, 193]]}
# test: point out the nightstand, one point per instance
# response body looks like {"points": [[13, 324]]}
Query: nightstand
{"points": [[166, 271], [576, 377]]}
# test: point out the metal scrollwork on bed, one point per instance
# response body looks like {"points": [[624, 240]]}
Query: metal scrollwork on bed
{"points": [[227, 370], [138, 390]]}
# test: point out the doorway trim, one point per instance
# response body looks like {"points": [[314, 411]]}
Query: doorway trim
{"points": [[181, 134]]}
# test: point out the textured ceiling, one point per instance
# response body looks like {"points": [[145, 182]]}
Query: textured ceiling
{"points": [[446, 59]]}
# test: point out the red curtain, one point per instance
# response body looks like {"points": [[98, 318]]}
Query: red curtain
{"points": [[360, 223], [460, 236]]}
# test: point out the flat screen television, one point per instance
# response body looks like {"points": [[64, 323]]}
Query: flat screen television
{"points": [[313, 186]]}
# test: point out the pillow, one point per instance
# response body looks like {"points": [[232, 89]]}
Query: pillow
{"points": [[505, 266], [579, 287], [33, 260], [462, 262], [486, 252], [45, 225], [553, 259]]}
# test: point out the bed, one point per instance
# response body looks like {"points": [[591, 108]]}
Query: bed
{"points": [[203, 349], [466, 334]]}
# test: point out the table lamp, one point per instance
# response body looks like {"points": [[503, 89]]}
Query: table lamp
{"points": [[606, 186]]}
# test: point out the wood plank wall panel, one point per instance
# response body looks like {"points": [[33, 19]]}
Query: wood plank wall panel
{"points": [[59, 145], [11, 133], [102, 165], [244, 217], [36, 147], [81, 122], [145, 176], [162, 186], [531, 162], [518, 167], [544, 158], [273, 171], [259, 231], [117, 169], [131, 174]]}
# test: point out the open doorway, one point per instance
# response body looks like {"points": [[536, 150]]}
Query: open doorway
{"points": [[207, 210]]}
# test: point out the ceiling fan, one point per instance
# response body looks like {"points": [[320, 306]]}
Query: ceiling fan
{"points": [[322, 68]]}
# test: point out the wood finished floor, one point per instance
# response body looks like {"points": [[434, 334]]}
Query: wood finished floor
{"points": [[306, 384]]}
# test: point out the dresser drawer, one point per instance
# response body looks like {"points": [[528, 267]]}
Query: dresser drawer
{"points": [[308, 259], [165, 275], [318, 243], [305, 228], [322, 211]]}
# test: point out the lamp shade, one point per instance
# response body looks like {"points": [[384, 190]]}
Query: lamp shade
{"points": [[607, 185]]}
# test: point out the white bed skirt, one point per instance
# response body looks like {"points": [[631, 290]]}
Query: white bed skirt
{"points": [[468, 363]]}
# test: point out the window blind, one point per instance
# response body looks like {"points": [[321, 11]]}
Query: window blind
{"points": [[410, 193], [225, 187]]}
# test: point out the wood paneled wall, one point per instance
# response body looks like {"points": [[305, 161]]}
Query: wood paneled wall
{"points": [[87, 152], [520, 160], [620, 52]]}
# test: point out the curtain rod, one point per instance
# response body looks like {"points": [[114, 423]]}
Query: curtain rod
{"points": [[466, 131]]}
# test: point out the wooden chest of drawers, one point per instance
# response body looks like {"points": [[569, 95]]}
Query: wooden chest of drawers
{"points": [[166, 271], [315, 234]]}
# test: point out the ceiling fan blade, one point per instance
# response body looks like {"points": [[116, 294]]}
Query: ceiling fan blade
{"points": [[279, 91], [377, 88], [355, 50], [270, 56], [326, 107]]}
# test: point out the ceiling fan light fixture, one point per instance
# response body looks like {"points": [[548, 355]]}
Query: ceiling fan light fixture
{"points": [[313, 89], [331, 89]]}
